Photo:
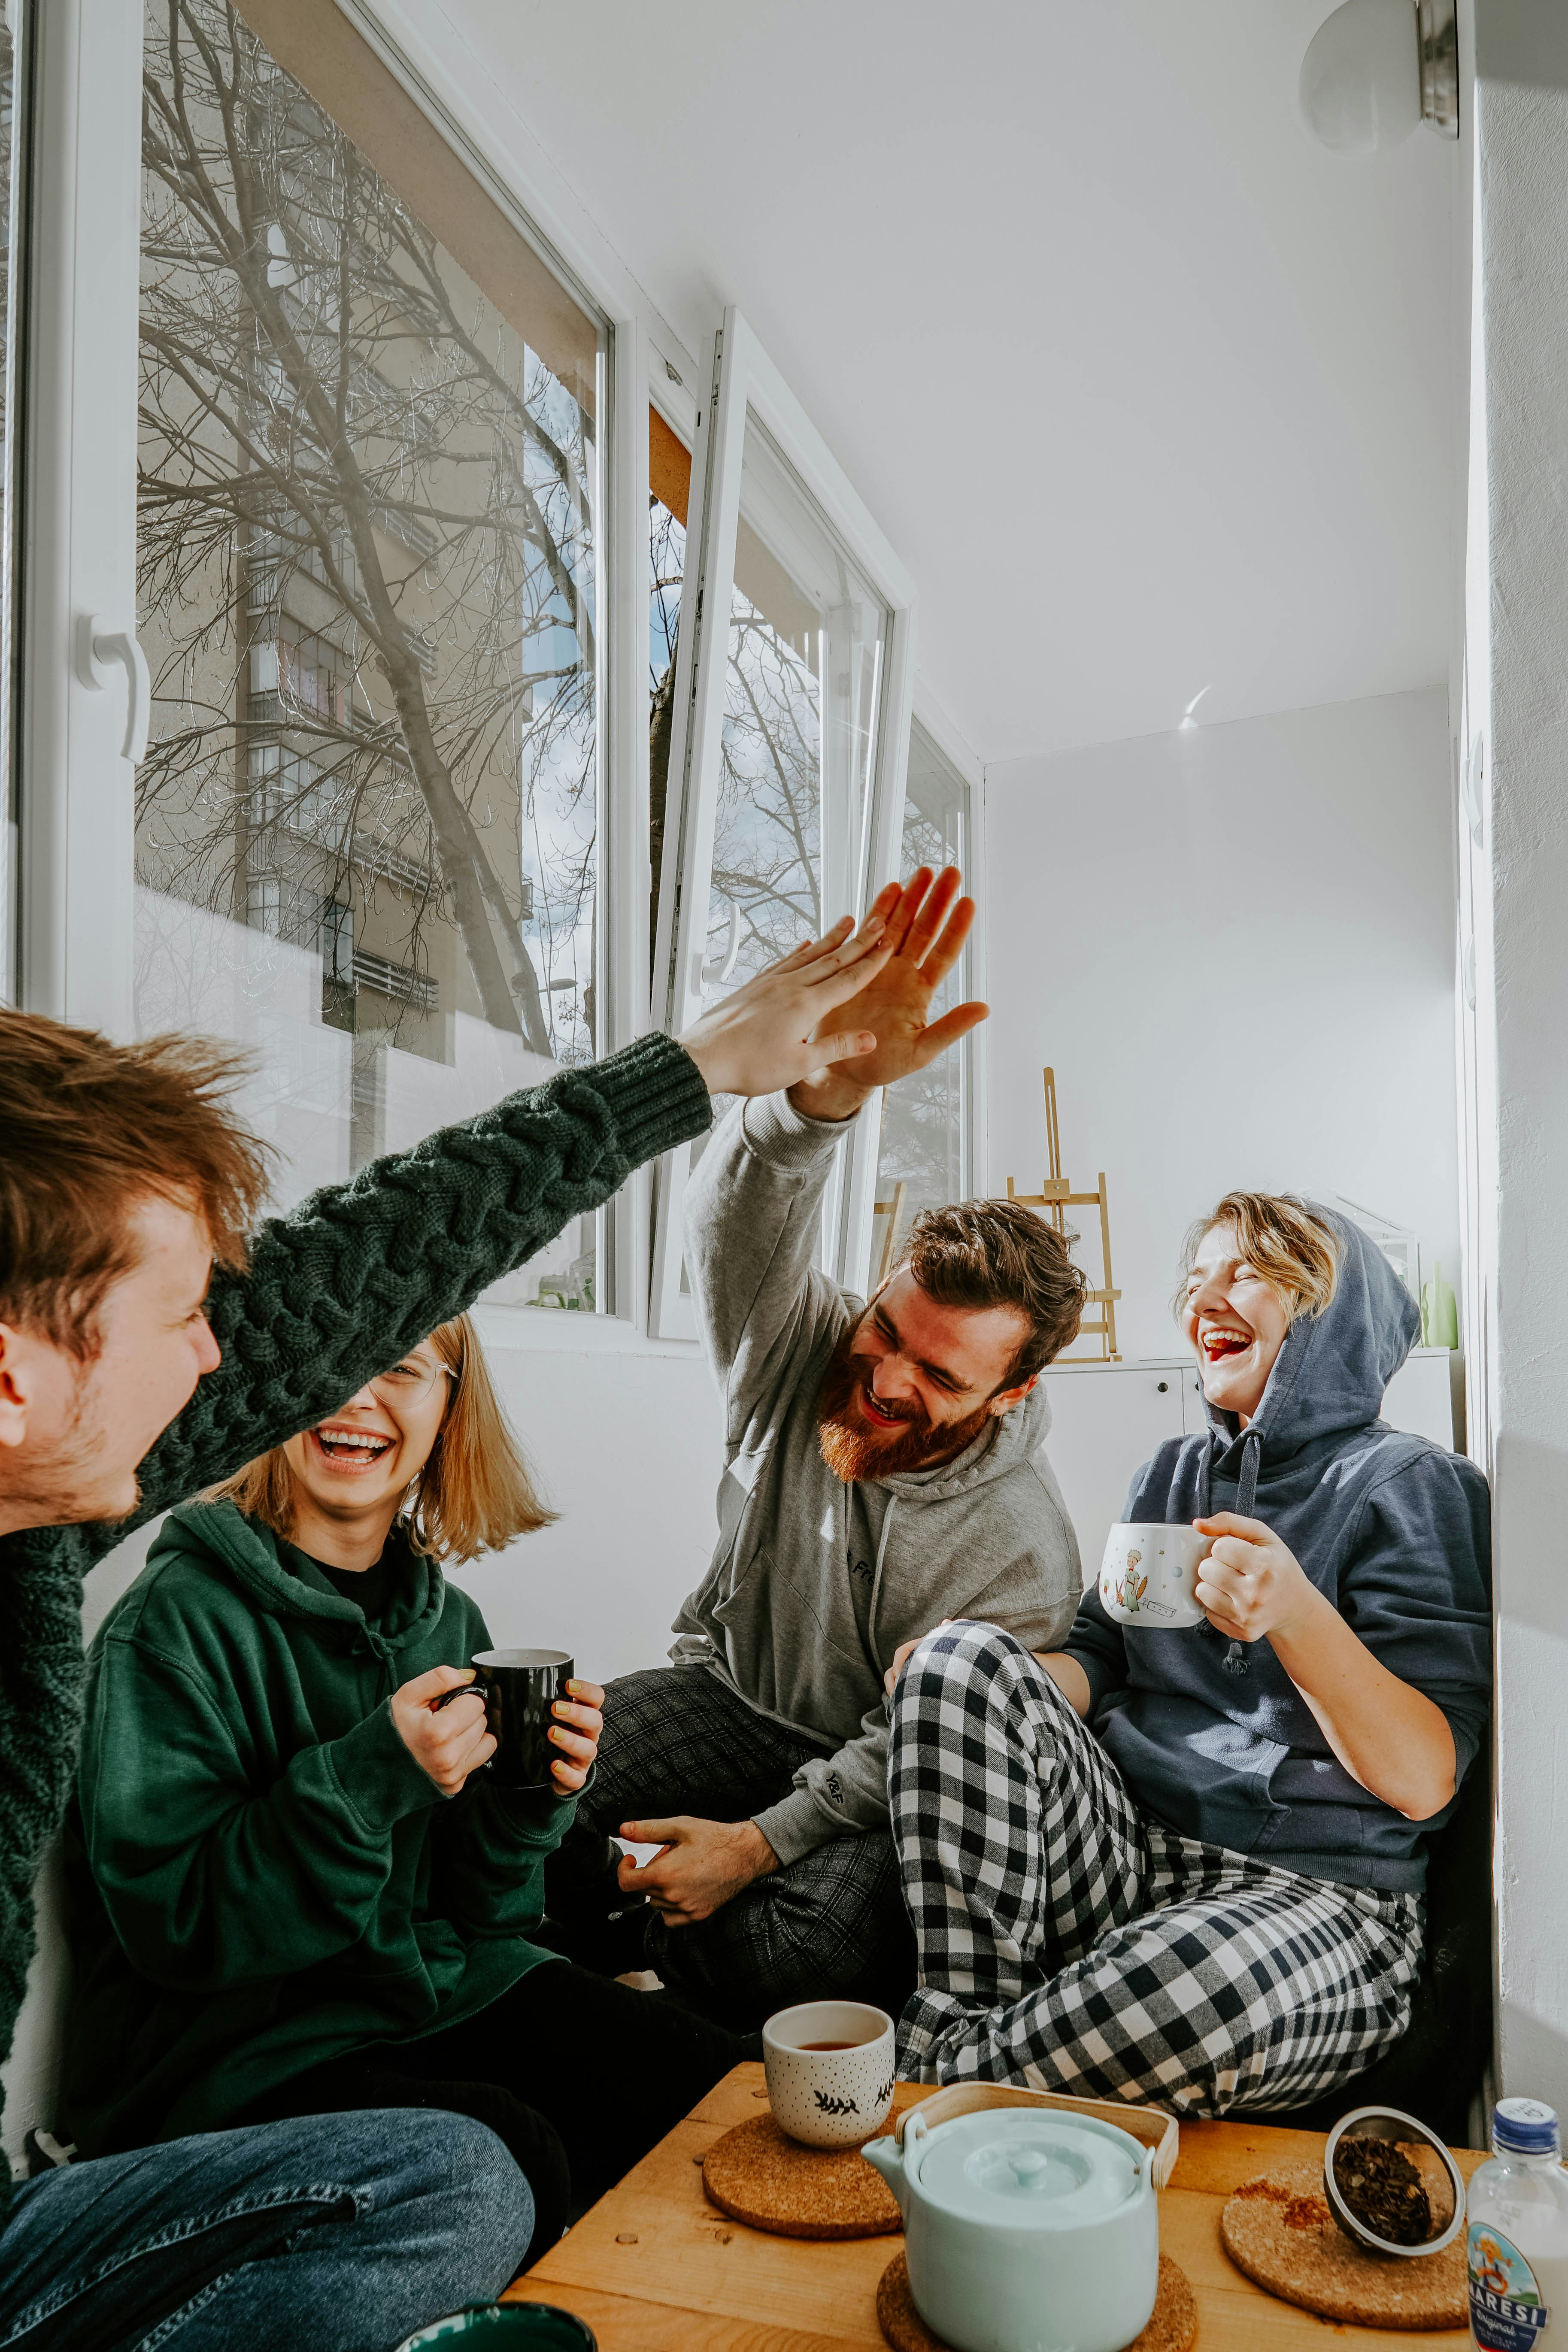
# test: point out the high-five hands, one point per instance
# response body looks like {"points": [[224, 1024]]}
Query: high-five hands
{"points": [[699, 1864], [927, 925], [1251, 1583], [783, 1023]]}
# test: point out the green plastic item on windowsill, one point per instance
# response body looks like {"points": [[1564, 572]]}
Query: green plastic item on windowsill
{"points": [[1440, 1312], [507, 2328]]}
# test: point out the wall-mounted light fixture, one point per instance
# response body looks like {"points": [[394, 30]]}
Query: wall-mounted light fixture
{"points": [[1377, 67]]}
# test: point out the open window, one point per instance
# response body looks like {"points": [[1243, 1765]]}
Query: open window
{"points": [[369, 563], [787, 738]]}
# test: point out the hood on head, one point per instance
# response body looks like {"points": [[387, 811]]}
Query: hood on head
{"points": [[1333, 1368]]}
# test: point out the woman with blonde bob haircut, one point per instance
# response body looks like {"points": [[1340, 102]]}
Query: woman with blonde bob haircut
{"points": [[1237, 1810], [295, 1889], [473, 1493]]}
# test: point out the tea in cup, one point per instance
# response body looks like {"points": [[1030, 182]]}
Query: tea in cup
{"points": [[1148, 1577], [829, 2065]]}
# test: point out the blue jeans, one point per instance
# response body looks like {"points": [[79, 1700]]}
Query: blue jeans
{"points": [[338, 2233]]}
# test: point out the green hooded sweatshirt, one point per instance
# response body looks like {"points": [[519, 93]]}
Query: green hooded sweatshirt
{"points": [[259, 1876]]}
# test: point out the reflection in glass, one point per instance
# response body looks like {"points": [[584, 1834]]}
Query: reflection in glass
{"points": [[367, 835], [808, 634], [669, 496], [925, 1125]]}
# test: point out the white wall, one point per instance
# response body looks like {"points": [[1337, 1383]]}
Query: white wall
{"points": [[1235, 946], [1516, 915]]}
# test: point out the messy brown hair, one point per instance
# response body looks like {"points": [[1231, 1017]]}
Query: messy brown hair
{"points": [[996, 1254], [1284, 1240], [476, 1491], [91, 1129]]}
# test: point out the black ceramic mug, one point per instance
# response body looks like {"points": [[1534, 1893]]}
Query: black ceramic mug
{"points": [[521, 1686]]}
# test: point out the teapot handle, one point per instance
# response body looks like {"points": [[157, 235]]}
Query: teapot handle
{"points": [[913, 2128]]}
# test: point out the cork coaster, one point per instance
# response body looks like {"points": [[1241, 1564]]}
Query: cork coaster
{"points": [[1173, 2326], [1279, 2231], [761, 2176]]}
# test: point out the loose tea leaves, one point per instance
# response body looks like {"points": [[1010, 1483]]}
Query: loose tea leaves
{"points": [[1384, 2190]]}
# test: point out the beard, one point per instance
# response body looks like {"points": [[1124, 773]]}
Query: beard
{"points": [[854, 1450]]}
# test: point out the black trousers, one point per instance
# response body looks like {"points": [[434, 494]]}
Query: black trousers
{"points": [[578, 2076], [677, 1741]]}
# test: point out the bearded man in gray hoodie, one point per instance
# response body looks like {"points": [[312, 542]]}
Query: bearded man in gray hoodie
{"points": [[884, 1469]]}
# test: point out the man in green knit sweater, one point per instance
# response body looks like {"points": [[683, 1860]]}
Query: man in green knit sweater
{"points": [[123, 1178]]}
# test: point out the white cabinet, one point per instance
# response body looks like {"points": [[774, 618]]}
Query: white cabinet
{"points": [[1105, 1421], [1108, 1418]]}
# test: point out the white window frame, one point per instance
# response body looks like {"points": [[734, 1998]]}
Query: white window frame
{"points": [[76, 894], [736, 377]]}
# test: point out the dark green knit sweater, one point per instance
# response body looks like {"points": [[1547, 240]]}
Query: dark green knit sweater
{"points": [[335, 1292]]}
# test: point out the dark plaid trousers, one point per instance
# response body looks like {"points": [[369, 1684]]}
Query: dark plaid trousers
{"points": [[1068, 1943], [679, 1740]]}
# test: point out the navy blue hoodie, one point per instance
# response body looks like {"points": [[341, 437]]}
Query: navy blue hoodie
{"points": [[1211, 1736]]}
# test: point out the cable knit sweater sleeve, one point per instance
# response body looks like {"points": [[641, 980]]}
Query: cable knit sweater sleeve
{"points": [[358, 1273]]}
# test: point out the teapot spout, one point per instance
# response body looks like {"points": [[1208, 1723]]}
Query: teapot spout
{"points": [[889, 2159]]}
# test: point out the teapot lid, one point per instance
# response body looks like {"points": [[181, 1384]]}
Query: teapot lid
{"points": [[1019, 2169]]}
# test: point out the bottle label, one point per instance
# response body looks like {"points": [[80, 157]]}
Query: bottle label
{"points": [[1507, 2314]]}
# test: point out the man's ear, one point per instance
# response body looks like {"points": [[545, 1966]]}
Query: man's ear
{"points": [[15, 1386], [1007, 1397]]}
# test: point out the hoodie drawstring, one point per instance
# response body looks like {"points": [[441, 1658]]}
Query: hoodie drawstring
{"points": [[1236, 1660]]}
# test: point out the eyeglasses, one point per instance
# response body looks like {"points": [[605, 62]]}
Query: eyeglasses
{"points": [[409, 1382]]}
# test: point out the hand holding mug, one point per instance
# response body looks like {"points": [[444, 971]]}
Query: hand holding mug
{"points": [[440, 1720], [579, 1744], [1251, 1584]]}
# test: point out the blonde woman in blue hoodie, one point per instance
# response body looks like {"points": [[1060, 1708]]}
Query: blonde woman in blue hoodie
{"points": [[1186, 1865]]}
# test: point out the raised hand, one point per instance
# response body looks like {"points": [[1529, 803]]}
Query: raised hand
{"points": [[783, 1023], [927, 924]]}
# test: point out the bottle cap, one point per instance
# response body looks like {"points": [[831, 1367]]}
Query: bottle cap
{"points": [[1525, 2127]]}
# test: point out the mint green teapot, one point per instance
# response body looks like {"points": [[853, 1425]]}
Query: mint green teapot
{"points": [[1026, 2230]]}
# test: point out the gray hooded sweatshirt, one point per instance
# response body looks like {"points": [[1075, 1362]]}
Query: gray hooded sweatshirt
{"points": [[815, 1583]]}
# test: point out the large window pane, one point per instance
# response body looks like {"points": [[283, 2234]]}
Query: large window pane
{"points": [[801, 711], [924, 1144], [368, 823]]}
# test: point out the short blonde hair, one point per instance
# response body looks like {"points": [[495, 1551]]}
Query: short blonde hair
{"points": [[1286, 1243], [476, 1491]]}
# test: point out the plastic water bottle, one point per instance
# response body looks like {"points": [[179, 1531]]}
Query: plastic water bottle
{"points": [[1517, 2217]]}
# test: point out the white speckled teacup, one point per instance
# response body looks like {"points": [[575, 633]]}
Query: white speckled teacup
{"points": [[829, 2098]]}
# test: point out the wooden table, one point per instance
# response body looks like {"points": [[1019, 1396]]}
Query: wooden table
{"points": [[653, 2267]]}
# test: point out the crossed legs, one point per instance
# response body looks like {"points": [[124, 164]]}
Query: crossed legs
{"points": [[1070, 1943]]}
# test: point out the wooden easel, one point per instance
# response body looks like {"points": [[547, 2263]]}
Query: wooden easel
{"points": [[1055, 1197], [892, 1212]]}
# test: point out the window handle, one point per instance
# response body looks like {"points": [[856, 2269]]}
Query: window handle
{"points": [[716, 974], [100, 650]]}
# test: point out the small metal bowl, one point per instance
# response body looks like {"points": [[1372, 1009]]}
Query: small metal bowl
{"points": [[1389, 2122]]}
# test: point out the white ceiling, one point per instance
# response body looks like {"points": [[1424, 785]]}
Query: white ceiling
{"points": [[1150, 393]]}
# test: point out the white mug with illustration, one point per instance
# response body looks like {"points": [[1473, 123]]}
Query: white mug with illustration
{"points": [[1150, 1573]]}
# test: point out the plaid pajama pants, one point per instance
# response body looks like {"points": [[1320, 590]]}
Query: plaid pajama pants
{"points": [[1069, 1943], [679, 1740]]}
